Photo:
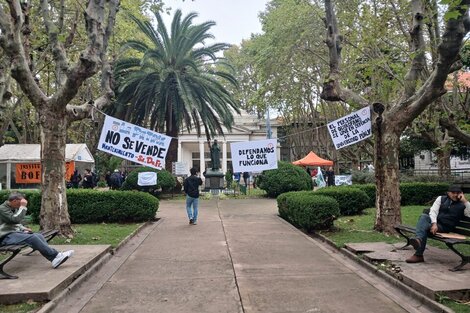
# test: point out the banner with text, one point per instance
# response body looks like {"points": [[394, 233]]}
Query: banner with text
{"points": [[351, 128], [133, 143], [254, 156], [30, 173]]}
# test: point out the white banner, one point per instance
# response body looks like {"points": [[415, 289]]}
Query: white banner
{"points": [[147, 179], [133, 143], [351, 128], [254, 156], [343, 180]]}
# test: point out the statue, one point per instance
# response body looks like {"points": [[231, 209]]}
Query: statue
{"points": [[215, 156]]}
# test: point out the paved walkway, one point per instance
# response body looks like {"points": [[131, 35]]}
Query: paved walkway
{"points": [[241, 257]]}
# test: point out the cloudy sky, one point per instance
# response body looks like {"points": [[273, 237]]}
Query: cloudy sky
{"points": [[236, 19]]}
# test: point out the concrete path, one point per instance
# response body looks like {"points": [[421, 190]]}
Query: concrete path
{"points": [[241, 257]]}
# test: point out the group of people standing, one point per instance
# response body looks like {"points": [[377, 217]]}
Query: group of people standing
{"points": [[328, 175], [89, 180]]}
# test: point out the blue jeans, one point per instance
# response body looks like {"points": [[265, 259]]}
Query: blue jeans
{"points": [[194, 202], [34, 240], [422, 230]]}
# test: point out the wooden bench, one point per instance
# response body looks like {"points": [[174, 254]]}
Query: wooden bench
{"points": [[15, 249], [463, 228]]}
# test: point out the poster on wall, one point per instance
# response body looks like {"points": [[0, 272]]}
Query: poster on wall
{"points": [[30, 173], [254, 156], [134, 143], [351, 128]]}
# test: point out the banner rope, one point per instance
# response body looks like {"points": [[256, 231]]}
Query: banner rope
{"points": [[277, 138]]}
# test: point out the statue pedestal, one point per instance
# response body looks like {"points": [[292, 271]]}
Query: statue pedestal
{"points": [[214, 179]]}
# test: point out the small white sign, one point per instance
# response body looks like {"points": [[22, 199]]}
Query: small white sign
{"points": [[179, 168], [254, 156], [147, 179], [351, 128], [343, 180]]}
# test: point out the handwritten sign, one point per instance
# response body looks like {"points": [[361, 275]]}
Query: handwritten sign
{"points": [[254, 156], [30, 173], [351, 128], [134, 143]]}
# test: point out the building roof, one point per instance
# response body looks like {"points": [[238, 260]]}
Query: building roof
{"points": [[16, 153], [242, 123]]}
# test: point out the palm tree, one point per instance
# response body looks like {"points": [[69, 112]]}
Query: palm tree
{"points": [[178, 81]]}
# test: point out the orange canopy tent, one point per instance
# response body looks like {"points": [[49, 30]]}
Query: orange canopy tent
{"points": [[313, 160]]}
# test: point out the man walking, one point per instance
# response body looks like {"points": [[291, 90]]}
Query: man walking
{"points": [[191, 188]]}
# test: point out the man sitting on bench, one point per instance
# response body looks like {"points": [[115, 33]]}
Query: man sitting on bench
{"points": [[12, 232], [444, 215]]}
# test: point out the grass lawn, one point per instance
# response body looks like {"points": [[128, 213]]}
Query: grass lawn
{"points": [[98, 234], [359, 228], [85, 234]]}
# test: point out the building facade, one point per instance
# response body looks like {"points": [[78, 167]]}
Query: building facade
{"points": [[193, 151]]}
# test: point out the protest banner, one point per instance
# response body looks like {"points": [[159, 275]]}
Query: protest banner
{"points": [[254, 156], [30, 173], [351, 128], [134, 143]]}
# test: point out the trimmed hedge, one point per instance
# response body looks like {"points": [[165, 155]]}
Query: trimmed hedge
{"points": [[421, 193], [165, 180], [287, 177], [411, 193], [370, 190], [351, 201], [308, 210], [93, 206]]}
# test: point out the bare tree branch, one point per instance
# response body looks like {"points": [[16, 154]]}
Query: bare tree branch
{"points": [[332, 89], [58, 51], [454, 130], [418, 48], [433, 87]]}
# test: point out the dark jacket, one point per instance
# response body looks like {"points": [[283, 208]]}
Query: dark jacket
{"points": [[450, 213], [191, 186], [10, 219], [87, 181]]}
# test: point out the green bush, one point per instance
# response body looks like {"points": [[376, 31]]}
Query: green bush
{"points": [[369, 189], [165, 180], [285, 178], [93, 206], [363, 177], [352, 201], [421, 193], [411, 193], [228, 178], [308, 210]]}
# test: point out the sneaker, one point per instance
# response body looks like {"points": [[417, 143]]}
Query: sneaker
{"points": [[61, 258], [194, 222], [415, 259], [191, 222]]}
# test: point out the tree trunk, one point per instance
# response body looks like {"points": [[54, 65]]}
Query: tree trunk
{"points": [[172, 155], [54, 211], [387, 201], [443, 162]]}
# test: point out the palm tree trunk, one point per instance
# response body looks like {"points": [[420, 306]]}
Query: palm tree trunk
{"points": [[172, 155]]}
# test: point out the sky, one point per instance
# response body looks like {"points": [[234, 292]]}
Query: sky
{"points": [[235, 19]]}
